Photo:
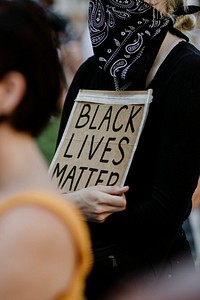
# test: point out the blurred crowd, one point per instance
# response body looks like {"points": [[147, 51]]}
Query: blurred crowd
{"points": [[71, 34], [69, 22]]}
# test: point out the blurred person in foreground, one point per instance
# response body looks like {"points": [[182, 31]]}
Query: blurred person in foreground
{"points": [[184, 287], [44, 241], [138, 47]]}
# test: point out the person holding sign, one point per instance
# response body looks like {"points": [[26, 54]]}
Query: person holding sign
{"points": [[45, 249], [137, 47]]}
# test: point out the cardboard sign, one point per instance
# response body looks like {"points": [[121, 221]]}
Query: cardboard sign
{"points": [[100, 139]]}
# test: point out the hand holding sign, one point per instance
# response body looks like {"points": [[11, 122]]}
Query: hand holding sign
{"points": [[98, 202]]}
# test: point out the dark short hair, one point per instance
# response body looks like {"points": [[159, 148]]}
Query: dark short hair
{"points": [[26, 46]]}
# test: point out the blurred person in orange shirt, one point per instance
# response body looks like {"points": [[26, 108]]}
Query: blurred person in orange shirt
{"points": [[44, 241]]}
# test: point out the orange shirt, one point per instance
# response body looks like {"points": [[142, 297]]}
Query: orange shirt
{"points": [[74, 222]]}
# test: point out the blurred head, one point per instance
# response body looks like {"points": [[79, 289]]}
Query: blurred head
{"points": [[29, 67], [169, 7], [194, 35]]}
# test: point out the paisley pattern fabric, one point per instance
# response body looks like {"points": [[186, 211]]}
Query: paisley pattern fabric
{"points": [[122, 32]]}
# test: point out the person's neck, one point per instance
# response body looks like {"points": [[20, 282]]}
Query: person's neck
{"points": [[168, 44], [22, 165]]}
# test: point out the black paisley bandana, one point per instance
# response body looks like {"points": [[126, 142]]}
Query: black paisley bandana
{"points": [[126, 36]]}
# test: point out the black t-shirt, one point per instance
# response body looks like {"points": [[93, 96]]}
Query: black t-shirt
{"points": [[165, 167]]}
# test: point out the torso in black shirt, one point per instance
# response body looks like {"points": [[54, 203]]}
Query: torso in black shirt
{"points": [[165, 167]]}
